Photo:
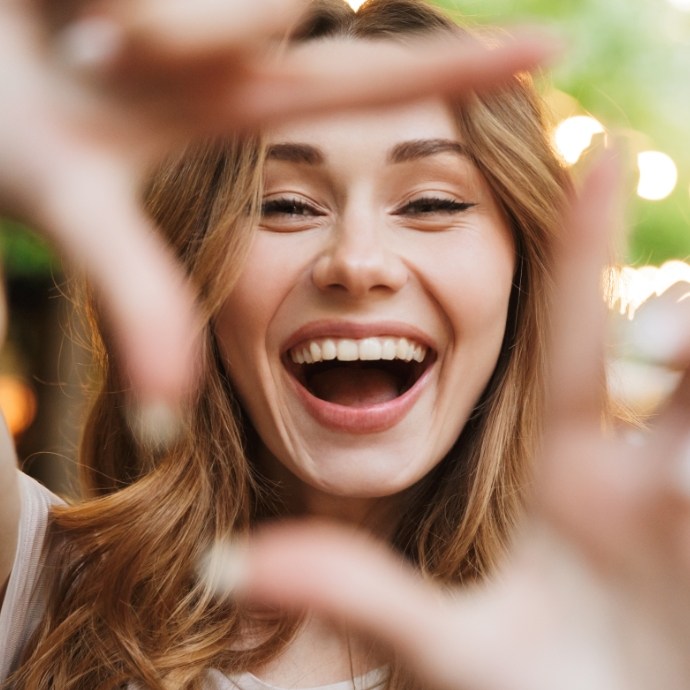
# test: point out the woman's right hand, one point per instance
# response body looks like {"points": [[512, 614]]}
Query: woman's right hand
{"points": [[595, 593]]}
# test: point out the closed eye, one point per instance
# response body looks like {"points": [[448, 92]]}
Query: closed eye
{"points": [[288, 206], [430, 205]]}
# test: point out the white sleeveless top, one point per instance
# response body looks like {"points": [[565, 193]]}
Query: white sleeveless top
{"points": [[24, 602]]}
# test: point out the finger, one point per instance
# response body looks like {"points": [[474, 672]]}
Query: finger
{"points": [[660, 331], [371, 73], [578, 312], [671, 443], [159, 34], [586, 486], [451, 641], [92, 212], [676, 414], [353, 580], [366, 573]]}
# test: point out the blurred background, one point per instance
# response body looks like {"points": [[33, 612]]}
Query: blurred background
{"points": [[626, 71], [625, 75]]}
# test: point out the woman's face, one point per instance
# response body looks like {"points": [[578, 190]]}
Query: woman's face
{"points": [[370, 313]]}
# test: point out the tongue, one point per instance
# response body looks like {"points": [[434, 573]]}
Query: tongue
{"points": [[354, 387]]}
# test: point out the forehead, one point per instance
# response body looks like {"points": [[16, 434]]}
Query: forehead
{"points": [[373, 130]]}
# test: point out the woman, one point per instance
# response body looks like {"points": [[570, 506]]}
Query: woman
{"points": [[442, 433], [414, 241]]}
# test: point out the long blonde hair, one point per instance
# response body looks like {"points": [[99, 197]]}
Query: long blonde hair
{"points": [[126, 604]]}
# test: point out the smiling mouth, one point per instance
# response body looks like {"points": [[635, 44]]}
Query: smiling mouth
{"points": [[358, 373]]}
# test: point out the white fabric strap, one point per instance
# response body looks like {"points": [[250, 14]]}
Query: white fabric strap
{"points": [[24, 602]]}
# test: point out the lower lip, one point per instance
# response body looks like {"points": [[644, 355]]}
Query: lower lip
{"points": [[368, 419]]}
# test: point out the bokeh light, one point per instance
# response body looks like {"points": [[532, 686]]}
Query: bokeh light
{"points": [[658, 175], [643, 367], [17, 403], [573, 136], [631, 287], [355, 4], [683, 5]]}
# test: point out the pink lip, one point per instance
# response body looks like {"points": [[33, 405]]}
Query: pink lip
{"points": [[366, 419], [348, 329]]}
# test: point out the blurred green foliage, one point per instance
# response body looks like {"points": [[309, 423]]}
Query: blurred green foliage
{"points": [[24, 254], [627, 63]]}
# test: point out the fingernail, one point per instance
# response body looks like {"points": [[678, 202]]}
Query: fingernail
{"points": [[155, 425], [224, 567], [90, 45], [657, 333]]}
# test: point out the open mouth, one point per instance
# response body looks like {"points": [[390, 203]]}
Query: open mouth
{"points": [[358, 373]]}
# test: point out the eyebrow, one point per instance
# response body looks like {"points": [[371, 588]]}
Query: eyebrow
{"points": [[421, 148], [401, 153], [295, 153]]}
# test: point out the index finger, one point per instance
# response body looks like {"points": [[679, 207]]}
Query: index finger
{"points": [[377, 73]]}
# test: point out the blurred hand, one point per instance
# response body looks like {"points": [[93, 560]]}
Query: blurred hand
{"points": [[93, 93], [595, 594]]}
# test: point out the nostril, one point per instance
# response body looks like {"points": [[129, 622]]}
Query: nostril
{"points": [[359, 272]]}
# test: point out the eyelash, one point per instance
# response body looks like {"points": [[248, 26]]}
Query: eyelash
{"points": [[288, 207], [421, 207], [428, 205], [424, 205]]}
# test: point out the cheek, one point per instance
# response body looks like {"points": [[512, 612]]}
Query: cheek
{"points": [[482, 298], [240, 328], [244, 323], [240, 331], [244, 318], [472, 281]]}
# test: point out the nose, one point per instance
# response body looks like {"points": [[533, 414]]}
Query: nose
{"points": [[360, 258]]}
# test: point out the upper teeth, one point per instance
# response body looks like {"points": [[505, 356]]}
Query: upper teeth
{"points": [[348, 350]]}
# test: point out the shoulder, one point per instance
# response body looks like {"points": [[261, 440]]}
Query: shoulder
{"points": [[24, 601]]}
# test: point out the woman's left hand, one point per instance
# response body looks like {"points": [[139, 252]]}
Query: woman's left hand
{"points": [[94, 92], [595, 593]]}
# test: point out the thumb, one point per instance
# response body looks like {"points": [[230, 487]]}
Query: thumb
{"points": [[354, 580], [520, 631]]}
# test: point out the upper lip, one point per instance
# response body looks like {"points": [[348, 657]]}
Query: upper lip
{"points": [[350, 329]]}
